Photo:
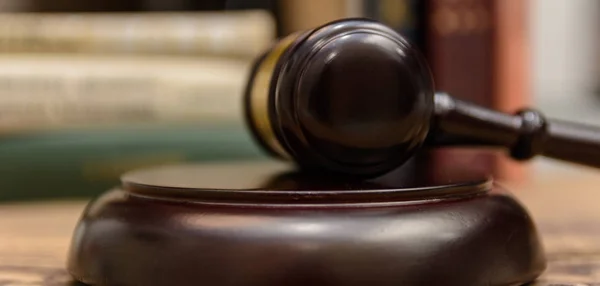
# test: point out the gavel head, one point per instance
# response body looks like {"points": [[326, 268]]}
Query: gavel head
{"points": [[351, 97]]}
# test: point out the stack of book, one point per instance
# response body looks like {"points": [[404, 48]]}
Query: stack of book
{"points": [[85, 97], [166, 87]]}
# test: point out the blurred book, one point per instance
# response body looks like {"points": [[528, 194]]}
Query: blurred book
{"points": [[244, 33], [404, 16], [70, 125], [460, 49], [41, 91], [300, 15], [478, 51], [86, 162], [512, 79], [85, 97]]}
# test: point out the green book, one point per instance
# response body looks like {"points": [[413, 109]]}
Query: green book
{"points": [[84, 163]]}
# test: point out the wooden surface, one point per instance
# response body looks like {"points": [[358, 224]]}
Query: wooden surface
{"points": [[34, 237], [565, 204]]}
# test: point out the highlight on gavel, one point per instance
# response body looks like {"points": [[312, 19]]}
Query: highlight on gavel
{"points": [[354, 97]]}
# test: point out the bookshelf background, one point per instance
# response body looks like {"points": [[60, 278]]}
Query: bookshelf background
{"points": [[90, 89]]}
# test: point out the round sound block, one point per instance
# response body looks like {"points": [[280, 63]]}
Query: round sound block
{"points": [[266, 224]]}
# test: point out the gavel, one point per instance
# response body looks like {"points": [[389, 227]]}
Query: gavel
{"points": [[354, 97]]}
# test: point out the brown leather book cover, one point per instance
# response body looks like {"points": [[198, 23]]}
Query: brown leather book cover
{"points": [[512, 79], [477, 52]]}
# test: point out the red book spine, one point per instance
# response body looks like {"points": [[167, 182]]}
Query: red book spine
{"points": [[459, 49], [512, 82], [476, 50]]}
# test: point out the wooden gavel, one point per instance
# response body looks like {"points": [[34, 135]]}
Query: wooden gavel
{"points": [[355, 97]]}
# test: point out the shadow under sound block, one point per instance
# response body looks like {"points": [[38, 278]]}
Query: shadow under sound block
{"points": [[263, 223]]}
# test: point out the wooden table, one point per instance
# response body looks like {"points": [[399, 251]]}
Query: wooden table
{"points": [[565, 204], [34, 237]]}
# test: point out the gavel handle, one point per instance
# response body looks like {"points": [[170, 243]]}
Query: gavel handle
{"points": [[573, 142], [525, 134]]}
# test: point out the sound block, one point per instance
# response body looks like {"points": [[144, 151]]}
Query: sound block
{"points": [[263, 223]]}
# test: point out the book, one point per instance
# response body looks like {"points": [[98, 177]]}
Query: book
{"points": [[512, 72], [43, 91], [301, 15], [460, 53], [244, 33], [477, 50], [70, 125], [401, 15], [82, 163]]}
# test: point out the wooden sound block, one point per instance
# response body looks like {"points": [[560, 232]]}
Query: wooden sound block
{"points": [[266, 224]]}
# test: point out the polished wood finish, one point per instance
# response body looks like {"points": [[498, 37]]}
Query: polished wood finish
{"points": [[525, 134], [342, 81], [355, 97], [266, 224], [35, 237]]}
